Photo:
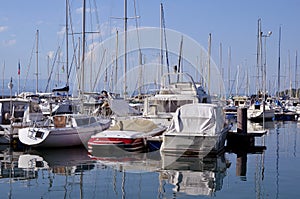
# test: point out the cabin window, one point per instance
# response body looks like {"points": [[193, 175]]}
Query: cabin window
{"points": [[85, 121]]}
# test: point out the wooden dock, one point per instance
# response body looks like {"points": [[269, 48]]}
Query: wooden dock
{"points": [[242, 139]]}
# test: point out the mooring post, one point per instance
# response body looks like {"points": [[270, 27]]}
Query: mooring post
{"points": [[242, 120]]}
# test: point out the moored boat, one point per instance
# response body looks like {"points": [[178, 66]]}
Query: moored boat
{"points": [[177, 90], [125, 135], [257, 111], [196, 129], [63, 131]]}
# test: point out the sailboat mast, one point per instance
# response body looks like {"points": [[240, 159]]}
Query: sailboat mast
{"points": [[229, 63], [161, 40], [125, 48], [19, 77], [296, 86], [278, 75], [208, 65], [83, 47], [37, 61], [67, 42], [3, 80], [258, 54], [289, 64], [116, 69]]}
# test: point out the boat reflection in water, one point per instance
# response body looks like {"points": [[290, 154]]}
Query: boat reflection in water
{"points": [[125, 161], [60, 161], [191, 175], [194, 175], [9, 170]]}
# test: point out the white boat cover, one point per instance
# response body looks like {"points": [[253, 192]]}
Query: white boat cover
{"points": [[138, 125], [199, 118], [122, 108]]}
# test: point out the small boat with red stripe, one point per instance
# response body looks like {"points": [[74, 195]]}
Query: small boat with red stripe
{"points": [[125, 135]]}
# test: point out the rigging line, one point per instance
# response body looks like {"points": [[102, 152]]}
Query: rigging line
{"points": [[97, 76], [73, 61], [139, 46], [231, 88], [28, 67], [98, 21], [75, 45], [165, 37], [53, 64], [92, 46], [137, 25], [93, 40], [241, 84]]}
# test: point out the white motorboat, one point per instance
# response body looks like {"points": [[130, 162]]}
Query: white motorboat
{"points": [[17, 113], [63, 131], [196, 129], [125, 135], [257, 112], [177, 89]]}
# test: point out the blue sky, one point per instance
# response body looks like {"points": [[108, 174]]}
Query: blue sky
{"points": [[231, 22]]}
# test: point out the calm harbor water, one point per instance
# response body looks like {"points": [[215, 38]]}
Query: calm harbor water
{"points": [[73, 173]]}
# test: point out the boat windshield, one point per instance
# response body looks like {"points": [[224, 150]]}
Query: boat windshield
{"points": [[85, 121], [169, 106]]}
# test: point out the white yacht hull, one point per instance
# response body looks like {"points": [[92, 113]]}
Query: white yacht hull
{"points": [[60, 137], [259, 114], [193, 144]]}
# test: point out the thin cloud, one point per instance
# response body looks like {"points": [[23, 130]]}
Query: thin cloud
{"points": [[3, 28], [62, 31], [10, 42], [50, 54], [87, 10]]}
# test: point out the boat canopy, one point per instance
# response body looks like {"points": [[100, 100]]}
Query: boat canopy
{"points": [[201, 118], [61, 89], [139, 125]]}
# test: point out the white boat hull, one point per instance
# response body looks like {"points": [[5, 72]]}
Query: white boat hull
{"points": [[196, 129], [114, 141], [193, 144], [59, 137], [259, 115]]}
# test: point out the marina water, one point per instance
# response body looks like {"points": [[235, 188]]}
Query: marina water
{"points": [[73, 173]]}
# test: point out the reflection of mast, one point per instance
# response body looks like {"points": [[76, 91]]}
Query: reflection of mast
{"points": [[123, 185], [277, 162]]}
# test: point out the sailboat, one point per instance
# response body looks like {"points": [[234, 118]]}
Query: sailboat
{"points": [[65, 130], [257, 112]]}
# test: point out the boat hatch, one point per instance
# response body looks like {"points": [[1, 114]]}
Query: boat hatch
{"points": [[60, 121], [39, 134]]}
